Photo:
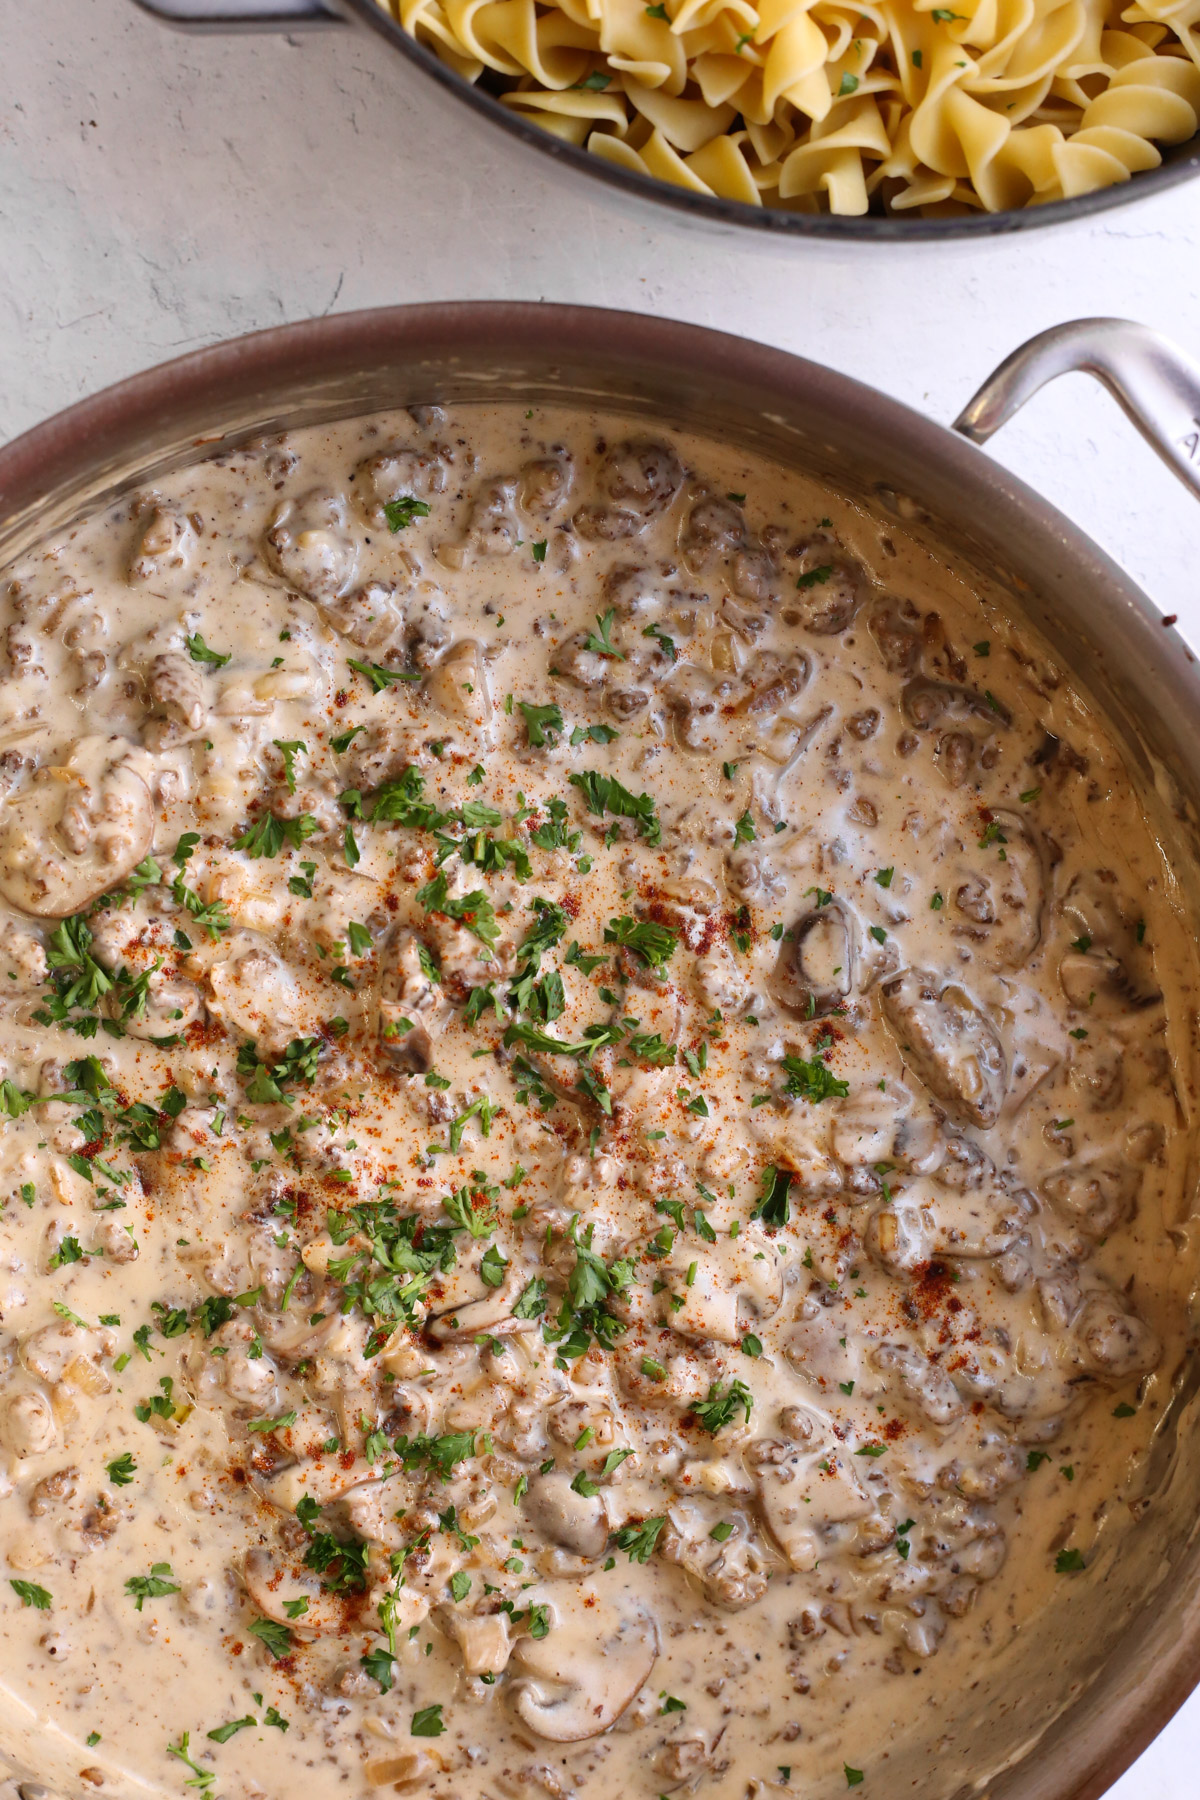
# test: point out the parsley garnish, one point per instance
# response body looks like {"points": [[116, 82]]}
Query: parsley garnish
{"points": [[149, 1587], [474, 910], [276, 1637], [772, 1207], [718, 1410], [604, 793], [653, 943], [539, 720], [199, 652], [290, 749], [403, 511], [812, 1080], [381, 678], [639, 1540], [599, 642], [667, 644], [221, 1734], [268, 835], [30, 1594], [121, 1470]]}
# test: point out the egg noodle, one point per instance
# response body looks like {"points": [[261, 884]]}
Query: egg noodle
{"points": [[833, 105]]}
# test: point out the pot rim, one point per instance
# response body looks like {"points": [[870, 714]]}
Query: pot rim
{"points": [[1179, 163], [1081, 1753]]}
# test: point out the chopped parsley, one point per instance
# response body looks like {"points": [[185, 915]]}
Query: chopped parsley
{"points": [[639, 1540], [199, 652], [141, 1588], [539, 720], [380, 677], [600, 642], [604, 793], [276, 1637], [812, 1080], [719, 1409], [290, 749], [29, 1593], [652, 942], [401, 512], [268, 835]]}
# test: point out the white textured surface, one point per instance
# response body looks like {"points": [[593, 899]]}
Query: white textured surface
{"points": [[159, 192]]}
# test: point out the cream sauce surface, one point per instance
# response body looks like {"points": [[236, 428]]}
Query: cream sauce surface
{"points": [[597, 1050]]}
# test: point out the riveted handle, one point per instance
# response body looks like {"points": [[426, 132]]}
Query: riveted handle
{"points": [[1153, 382], [240, 15]]}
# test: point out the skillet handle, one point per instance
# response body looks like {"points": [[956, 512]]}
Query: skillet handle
{"points": [[1154, 383], [240, 15]]}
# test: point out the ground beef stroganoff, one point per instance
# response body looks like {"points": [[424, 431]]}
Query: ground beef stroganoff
{"points": [[598, 1079]]}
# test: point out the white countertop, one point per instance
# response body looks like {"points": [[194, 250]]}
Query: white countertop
{"points": [[161, 192]]}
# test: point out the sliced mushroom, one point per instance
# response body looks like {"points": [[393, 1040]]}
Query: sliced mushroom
{"points": [[929, 705], [732, 1570], [999, 884], [170, 1007], [459, 686], [1101, 983], [77, 830], [256, 992], [1094, 907], [774, 685], [546, 484], [309, 545], [575, 1521], [397, 474], [1095, 1196], [271, 1585], [581, 1676], [27, 1424], [1097, 1073], [1113, 1341], [830, 589], [164, 546], [809, 1491], [175, 684], [895, 625], [814, 971], [950, 1043], [713, 529], [696, 700], [642, 475], [413, 1008], [483, 1639], [371, 616], [466, 1306], [929, 1388], [712, 1295]]}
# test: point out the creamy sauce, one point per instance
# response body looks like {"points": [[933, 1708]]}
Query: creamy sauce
{"points": [[625, 1042]]}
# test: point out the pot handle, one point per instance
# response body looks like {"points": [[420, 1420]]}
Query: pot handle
{"points": [[1153, 382], [240, 15]]}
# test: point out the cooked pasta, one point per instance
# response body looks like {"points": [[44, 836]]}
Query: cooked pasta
{"points": [[845, 106]]}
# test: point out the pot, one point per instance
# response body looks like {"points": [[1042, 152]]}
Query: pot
{"points": [[1179, 163], [1070, 1711]]}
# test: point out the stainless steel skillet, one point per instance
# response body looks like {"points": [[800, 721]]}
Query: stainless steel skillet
{"points": [[1123, 1652]]}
